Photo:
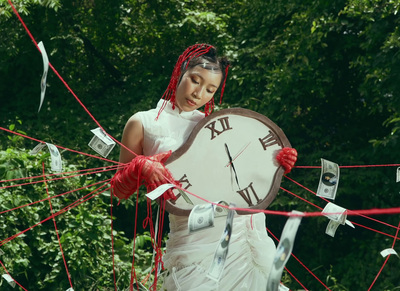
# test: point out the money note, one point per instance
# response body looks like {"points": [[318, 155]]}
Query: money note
{"points": [[56, 164], [9, 280], [44, 76], [37, 148], [335, 212], [221, 253], [101, 142], [283, 288], [283, 251], [337, 216], [219, 210], [331, 228], [329, 180], [201, 216], [387, 252]]}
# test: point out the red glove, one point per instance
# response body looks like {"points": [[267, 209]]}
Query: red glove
{"points": [[150, 169], [287, 157]]}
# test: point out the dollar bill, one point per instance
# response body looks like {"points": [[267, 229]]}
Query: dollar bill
{"points": [[329, 180], [337, 216], [331, 228], [219, 210], [398, 175], [221, 253], [56, 163], [283, 251], [387, 252], [335, 213], [9, 280], [201, 217], [37, 148], [101, 142], [185, 197], [43, 81]]}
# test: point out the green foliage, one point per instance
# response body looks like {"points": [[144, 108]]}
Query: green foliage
{"points": [[34, 258], [324, 71]]}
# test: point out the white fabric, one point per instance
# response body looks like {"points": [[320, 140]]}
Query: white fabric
{"points": [[189, 256], [170, 131]]}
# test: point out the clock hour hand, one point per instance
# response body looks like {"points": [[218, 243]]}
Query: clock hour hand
{"points": [[231, 163]]}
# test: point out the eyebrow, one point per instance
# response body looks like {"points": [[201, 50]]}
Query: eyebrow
{"points": [[200, 76]]}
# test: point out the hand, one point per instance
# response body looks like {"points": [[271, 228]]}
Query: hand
{"points": [[287, 157], [153, 170], [231, 163]]}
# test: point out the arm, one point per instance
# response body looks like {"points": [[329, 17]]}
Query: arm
{"points": [[138, 167]]}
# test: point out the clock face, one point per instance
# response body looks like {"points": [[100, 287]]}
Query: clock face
{"points": [[230, 157]]}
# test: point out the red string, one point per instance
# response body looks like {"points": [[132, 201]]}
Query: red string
{"points": [[133, 271], [55, 227], [65, 209], [387, 258], [308, 270], [112, 242], [351, 166], [60, 147], [55, 196], [16, 282], [55, 179], [348, 211]]}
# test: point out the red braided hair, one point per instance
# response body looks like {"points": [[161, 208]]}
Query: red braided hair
{"points": [[193, 53]]}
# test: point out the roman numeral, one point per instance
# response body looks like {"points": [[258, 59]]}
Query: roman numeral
{"points": [[222, 127], [246, 194], [269, 140]]}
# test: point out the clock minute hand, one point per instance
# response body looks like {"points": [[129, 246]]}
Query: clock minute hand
{"points": [[231, 163]]}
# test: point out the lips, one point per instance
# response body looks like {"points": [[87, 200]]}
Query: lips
{"points": [[190, 102]]}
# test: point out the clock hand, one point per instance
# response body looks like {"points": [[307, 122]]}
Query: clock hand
{"points": [[238, 154], [231, 163]]}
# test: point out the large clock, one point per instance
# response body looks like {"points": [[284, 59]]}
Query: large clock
{"points": [[230, 156]]}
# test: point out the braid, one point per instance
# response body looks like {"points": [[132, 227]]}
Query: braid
{"points": [[191, 57]]}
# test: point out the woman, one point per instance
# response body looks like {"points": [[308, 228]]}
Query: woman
{"points": [[148, 139]]}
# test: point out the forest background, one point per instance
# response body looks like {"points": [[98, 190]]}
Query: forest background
{"points": [[326, 72]]}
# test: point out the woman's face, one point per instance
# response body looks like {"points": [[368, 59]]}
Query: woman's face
{"points": [[197, 87]]}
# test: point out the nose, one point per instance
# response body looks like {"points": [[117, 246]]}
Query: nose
{"points": [[198, 93]]}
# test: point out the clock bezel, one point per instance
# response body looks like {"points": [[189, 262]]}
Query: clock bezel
{"points": [[275, 185]]}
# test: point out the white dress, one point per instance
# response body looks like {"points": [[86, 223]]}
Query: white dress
{"points": [[188, 256]]}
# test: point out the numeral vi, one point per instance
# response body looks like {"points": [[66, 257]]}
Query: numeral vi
{"points": [[246, 194]]}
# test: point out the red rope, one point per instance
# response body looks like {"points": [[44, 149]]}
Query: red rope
{"points": [[55, 227], [308, 270], [112, 242], [16, 282], [55, 196], [55, 179], [387, 258], [350, 166], [65, 209], [60, 147], [348, 211]]}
